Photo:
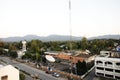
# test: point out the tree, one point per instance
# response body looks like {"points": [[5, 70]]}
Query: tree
{"points": [[13, 54], [81, 67], [1, 44], [37, 56], [12, 47], [94, 49], [1, 47], [1, 51], [84, 66], [78, 65], [94, 46], [84, 43], [22, 76], [18, 45], [35, 45], [55, 46], [27, 55]]}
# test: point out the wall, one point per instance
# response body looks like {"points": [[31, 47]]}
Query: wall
{"points": [[10, 71]]}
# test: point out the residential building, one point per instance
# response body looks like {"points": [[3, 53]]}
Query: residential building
{"points": [[9, 73], [108, 64]]}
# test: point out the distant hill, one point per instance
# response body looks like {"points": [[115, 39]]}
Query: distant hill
{"points": [[56, 38], [42, 38], [106, 37]]}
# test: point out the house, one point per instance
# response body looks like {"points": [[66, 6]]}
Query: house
{"points": [[9, 73]]}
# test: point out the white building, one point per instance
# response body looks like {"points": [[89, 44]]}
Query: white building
{"points": [[107, 66], [9, 73], [20, 53], [24, 46]]}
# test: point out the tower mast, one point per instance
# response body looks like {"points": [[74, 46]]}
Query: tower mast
{"points": [[70, 26]]}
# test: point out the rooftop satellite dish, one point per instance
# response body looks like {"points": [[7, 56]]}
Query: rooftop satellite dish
{"points": [[50, 58]]}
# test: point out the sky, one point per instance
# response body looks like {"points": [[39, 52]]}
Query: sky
{"points": [[47, 17]]}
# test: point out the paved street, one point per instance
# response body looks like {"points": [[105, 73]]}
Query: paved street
{"points": [[41, 74], [90, 75]]}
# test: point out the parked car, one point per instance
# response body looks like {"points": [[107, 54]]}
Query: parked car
{"points": [[56, 74]]}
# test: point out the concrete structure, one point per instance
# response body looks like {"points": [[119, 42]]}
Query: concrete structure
{"points": [[9, 73], [20, 53], [104, 53], [23, 46], [107, 65]]}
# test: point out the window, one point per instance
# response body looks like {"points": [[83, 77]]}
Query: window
{"points": [[4, 78], [100, 68], [99, 62], [107, 69], [106, 53], [118, 71], [110, 76], [118, 64], [100, 74], [117, 77], [108, 63]]}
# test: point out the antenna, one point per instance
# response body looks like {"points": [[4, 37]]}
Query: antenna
{"points": [[70, 26]]}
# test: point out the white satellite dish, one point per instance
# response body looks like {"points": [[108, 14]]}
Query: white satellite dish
{"points": [[50, 58]]}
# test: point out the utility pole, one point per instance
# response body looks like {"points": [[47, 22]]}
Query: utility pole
{"points": [[70, 26]]}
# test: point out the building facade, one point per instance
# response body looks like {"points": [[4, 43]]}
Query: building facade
{"points": [[9, 73], [107, 67]]}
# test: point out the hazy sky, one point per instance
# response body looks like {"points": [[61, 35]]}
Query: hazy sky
{"points": [[46, 17]]}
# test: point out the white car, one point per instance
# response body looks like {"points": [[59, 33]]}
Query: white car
{"points": [[56, 74]]}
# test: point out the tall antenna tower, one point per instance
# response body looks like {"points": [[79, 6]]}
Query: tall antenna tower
{"points": [[70, 26]]}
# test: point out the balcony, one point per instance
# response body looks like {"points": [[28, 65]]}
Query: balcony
{"points": [[100, 74], [117, 77], [109, 75], [100, 63], [108, 64], [109, 71], [117, 71], [100, 70], [117, 65]]}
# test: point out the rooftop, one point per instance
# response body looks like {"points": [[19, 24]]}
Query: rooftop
{"points": [[108, 59], [84, 55], [110, 54]]}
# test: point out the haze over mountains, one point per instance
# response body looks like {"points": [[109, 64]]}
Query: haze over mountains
{"points": [[56, 38]]}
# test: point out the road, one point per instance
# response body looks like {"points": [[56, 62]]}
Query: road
{"points": [[41, 74], [90, 75]]}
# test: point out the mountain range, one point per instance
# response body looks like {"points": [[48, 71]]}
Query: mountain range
{"points": [[56, 38]]}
